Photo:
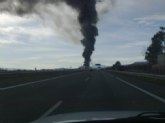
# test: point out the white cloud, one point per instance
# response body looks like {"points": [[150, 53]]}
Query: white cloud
{"points": [[133, 44], [7, 42], [151, 19], [62, 19], [22, 34], [11, 20], [14, 29]]}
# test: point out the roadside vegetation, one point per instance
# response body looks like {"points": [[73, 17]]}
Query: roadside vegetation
{"points": [[154, 80], [154, 57]]}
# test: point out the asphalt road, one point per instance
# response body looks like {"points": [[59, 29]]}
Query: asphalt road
{"points": [[86, 91]]}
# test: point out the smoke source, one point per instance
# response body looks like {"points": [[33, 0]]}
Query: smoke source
{"points": [[87, 17]]}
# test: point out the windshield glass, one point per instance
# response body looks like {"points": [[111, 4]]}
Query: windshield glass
{"points": [[71, 56]]}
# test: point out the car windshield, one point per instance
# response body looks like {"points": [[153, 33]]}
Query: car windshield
{"points": [[62, 57]]}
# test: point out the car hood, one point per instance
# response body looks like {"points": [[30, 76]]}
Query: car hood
{"points": [[87, 116]]}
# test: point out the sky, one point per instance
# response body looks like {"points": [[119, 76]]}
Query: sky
{"points": [[125, 31]]}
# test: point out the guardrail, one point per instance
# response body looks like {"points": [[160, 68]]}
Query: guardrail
{"points": [[141, 74]]}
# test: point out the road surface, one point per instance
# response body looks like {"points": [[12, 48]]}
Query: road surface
{"points": [[85, 91]]}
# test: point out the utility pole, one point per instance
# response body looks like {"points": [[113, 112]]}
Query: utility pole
{"points": [[164, 54], [163, 43]]}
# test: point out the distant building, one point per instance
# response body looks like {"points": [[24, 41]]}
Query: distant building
{"points": [[160, 66], [137, 66], [161, 59]]}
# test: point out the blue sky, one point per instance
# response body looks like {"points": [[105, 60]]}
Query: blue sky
{"points": [[124, 34]]}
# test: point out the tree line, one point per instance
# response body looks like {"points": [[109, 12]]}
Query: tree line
{"points": [[157, 47]]}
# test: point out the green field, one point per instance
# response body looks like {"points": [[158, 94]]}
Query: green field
{"points": [[20, 78]]}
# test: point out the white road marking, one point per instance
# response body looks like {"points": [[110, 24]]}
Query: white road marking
{"points": [[40, 81], [144, 91], [10, 87], [51, 109], [140, 74], [1, 89]]}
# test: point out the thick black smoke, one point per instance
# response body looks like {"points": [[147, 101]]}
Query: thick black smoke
{"points": [[85, 8], [88, 20]]}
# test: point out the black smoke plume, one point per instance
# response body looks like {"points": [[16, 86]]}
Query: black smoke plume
{"points": [[87, 18]]}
